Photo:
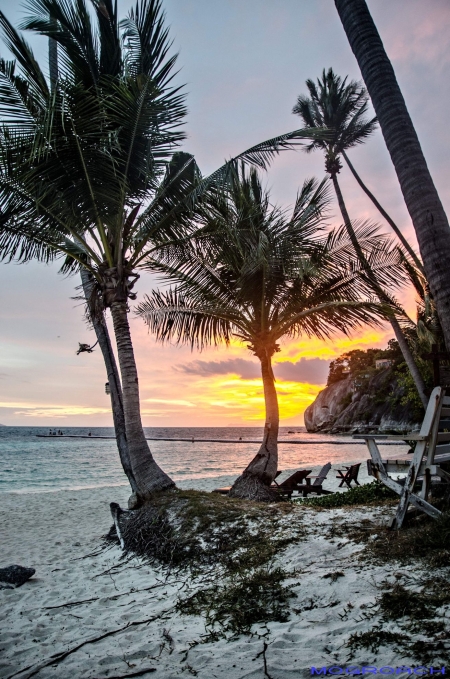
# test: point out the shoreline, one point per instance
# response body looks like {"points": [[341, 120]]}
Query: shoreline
{"points": [[380, 441], [206, 483]]}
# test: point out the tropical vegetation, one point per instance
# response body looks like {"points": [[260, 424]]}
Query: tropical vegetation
{"points": [[88, 173], [257, 274]]}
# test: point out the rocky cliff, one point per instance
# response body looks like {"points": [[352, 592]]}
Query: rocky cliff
{"points": [[366, 406]]}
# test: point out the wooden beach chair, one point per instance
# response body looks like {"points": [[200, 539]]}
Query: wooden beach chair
{"points": [[316, 487], [431, 459], [292, 484], [349, 474]]}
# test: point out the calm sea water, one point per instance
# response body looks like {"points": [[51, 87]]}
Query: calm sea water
{"points": [[29, 463]]}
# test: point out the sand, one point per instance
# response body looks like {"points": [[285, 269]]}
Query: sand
{"points": [[81, 592]]}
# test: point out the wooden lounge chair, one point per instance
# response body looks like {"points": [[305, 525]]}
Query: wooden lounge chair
{"points": [[226, 489], [292, 483], [349, 474], [316, 487]]}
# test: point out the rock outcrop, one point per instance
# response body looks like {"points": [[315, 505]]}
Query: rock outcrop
{"points": [[342, 408]]}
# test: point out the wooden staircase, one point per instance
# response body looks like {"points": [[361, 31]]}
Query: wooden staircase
{"points": [[431, 458]]}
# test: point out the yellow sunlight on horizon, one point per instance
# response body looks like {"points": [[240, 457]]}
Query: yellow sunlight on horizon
{"points": [[216, 399], [234, 397], [246, 397]]}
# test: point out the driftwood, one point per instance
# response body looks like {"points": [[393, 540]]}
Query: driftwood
{"points": [[114, 597], [133, 674], [32, 670], [263, 654]]}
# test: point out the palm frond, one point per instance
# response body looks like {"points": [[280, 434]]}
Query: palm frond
{"points": [[337, 106], [265, 274], [170, 316]]}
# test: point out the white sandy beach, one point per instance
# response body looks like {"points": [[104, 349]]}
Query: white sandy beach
{"points": [[80, 592]]}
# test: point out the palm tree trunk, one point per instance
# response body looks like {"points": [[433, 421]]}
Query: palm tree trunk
{"points": [[53, 60], [254, 482], [383, 212], [148, 475], [347, 222], [102, 334], [403, 344], [421, 198]]}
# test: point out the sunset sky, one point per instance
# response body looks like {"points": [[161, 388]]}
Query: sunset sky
{"points": [[244, 64]]}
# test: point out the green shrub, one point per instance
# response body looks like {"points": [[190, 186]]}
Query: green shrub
{"points": [[250, 598], [370, 493]]}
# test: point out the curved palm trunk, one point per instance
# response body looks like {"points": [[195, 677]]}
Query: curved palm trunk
{"points": [[254, 482], [148, 475], [383, 212], [404, 348], [102, 334], [421, 198]]}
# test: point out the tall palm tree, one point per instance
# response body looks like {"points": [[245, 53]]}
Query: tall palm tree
{"points": [[78, 163], [85, 166], [419, 192], [98, 323], [254, 273], [341, 107]]}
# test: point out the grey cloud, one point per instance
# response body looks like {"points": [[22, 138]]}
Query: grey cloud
{"points": [[248, 370], [314, 370]]}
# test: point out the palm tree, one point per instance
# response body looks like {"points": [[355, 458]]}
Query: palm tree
{"points": [[99, 325], [255, 274], [76, 171], [86, 166], [419, 192], [341, 107]]}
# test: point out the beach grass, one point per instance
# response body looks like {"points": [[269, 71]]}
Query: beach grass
{"points": [[231, 548]]}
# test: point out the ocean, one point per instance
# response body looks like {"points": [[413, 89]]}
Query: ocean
{"points": [[29, 463]]}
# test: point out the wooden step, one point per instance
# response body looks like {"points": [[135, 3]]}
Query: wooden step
{"points": [[443, 449], [401, 467], [445, 412], [443, 436]]}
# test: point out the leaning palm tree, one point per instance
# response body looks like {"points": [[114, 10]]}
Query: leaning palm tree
{"points": [[422, 200], [98, 322], [254, 273], [79, 160], [85, 165], [341, 107]]}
